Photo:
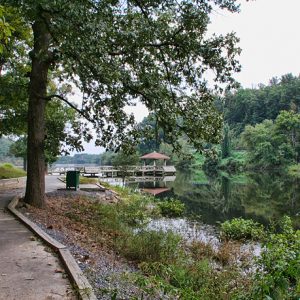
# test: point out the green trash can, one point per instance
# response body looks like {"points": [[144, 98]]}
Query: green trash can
{"points": [[72, 180]]}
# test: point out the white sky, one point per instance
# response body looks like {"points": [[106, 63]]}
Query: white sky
{"points": [[269, 38]]}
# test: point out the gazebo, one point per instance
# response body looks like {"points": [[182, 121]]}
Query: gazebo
{"points": [[154, 169], [155, 156]]}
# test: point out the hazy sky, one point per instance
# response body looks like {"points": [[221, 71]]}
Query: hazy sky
{"points": [[269, 38]]}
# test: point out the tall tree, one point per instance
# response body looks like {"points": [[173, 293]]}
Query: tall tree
{"points": [[226, 143], [119, 52], [288, 124], [19, 149], [154, 137], [267, 149]]}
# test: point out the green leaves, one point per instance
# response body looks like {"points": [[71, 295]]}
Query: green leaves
{"points": [[171, 208], [241, 229], [279, 264], [5, 30], [149, 51], [273, 144]]}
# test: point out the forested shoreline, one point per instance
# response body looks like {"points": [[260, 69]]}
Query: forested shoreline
{"points": [[261, 131]]}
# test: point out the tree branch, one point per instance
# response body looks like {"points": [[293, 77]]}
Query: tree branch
{"points": [[81, 112]]}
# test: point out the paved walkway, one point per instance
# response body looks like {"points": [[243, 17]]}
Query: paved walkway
{"points": [[28, 269]]}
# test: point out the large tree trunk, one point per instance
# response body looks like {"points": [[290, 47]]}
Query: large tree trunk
{"points": [[35, 186]]}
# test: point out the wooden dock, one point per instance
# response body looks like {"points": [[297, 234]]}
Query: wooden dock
{"points": [[112, 171]]}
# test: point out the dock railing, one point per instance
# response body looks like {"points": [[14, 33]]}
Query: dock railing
{"points": [[114, 170]]}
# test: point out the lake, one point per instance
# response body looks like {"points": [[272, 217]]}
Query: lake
{"points": [[263, 197]]}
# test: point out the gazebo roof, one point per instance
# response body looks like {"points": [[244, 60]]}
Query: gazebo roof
{"points": [[154, 155], [156, 191]]}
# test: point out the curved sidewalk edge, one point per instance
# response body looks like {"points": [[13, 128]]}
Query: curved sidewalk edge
{"points": [[82, 285], [15, 182]]}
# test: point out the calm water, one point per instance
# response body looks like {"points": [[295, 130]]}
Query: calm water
{"points": [[262, 197]]}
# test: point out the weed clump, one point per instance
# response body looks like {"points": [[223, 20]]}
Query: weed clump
{"points": [[171, 208], [151, 246], [241, 229]]}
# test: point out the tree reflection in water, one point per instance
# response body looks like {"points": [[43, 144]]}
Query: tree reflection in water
{"points": [[264, 197]]}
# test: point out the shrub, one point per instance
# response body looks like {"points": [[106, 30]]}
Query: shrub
{"points": [[171, 208], [8, 166], [279, 265], [241, 229]]}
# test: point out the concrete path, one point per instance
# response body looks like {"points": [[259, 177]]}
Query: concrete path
{"points": [[28, 269]]}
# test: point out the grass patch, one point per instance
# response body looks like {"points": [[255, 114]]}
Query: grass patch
{"points": [[84, 180], [191, 280], [9, 171], [151, 246], [87, 180]]}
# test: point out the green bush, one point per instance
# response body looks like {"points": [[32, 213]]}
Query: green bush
{"points": [[135, 213], [241, 229], [279, 265], [8, 166], [277, 273], [211, 165], [171, 208]]}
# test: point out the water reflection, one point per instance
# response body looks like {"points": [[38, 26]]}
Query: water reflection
{"points": [[262, 197]]}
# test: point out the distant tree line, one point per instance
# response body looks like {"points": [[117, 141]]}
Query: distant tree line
{"points": [[265, 121], [252, 106]]}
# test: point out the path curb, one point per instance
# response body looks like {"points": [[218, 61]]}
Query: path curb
{"points": [[18, 182], [84, 288]]}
